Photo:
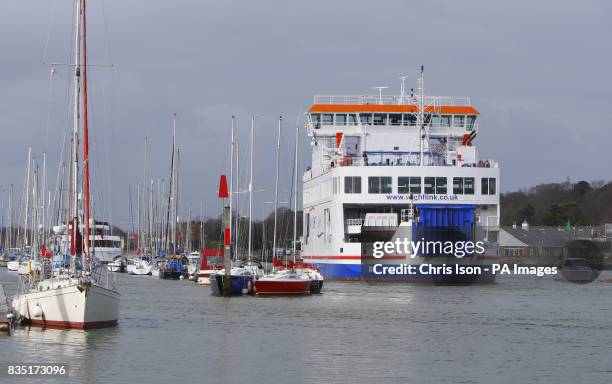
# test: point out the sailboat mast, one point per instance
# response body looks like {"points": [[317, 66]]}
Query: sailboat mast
{"points": [[295, 187], [75, 128], [175, 218], [231, 189], [144, 196], [27, 198], [10, 215], [86, 141], [139, 222], [237, 202], [43, 189], [251, 193], [169, 208], [280, 120]]}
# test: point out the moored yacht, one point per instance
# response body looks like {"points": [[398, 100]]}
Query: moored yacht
{"points": [[283, 282], [83, 295]]}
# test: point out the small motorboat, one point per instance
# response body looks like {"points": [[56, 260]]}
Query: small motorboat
{"points": [[193, 265], [577, 270], [284, 282]]}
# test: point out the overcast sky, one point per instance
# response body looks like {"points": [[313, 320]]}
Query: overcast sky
{"points": [[538, 71]]}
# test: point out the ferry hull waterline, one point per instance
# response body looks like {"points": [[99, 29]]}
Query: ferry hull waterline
{"points": [[398, 167], [73, 306]]}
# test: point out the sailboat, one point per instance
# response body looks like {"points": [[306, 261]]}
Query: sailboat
{"points": [[288, 281], [84, 295], [241, 278]]}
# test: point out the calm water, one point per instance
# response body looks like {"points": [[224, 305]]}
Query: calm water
{"points": [[517, 331]]}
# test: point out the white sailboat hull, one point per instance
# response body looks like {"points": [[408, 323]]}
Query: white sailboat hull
{"points": [[68, 306], [12, 266], [140, 267]]}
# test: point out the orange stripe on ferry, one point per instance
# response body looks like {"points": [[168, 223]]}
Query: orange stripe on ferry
{"points": [[444, 109]]}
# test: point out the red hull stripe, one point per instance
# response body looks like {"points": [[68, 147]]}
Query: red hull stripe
{"points": [[343, 257], [339, 257], [73, 324]]}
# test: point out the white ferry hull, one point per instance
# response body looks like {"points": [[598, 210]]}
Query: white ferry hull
{"points": [[71, 306], [350, 268]]}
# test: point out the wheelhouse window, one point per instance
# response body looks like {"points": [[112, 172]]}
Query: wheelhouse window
{"points": [[471, 119], [352, 119], [316, 120], [445, 120], [463, 185], [409, 119], [458, 121], [328, 119], [395, 118], [352, 184], [406, 185], [435, 185], [488, 186], [366, 118], [380, 119], [380, 184], [435, 121], [341, 119]]}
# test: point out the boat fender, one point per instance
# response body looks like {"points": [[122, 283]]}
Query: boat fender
{"points": [[245, 291], [37, 310], [250, 286]]}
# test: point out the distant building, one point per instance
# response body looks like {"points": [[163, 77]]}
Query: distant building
{"points": [[538, 241]]}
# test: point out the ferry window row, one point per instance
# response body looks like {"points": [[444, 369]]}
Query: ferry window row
{"points": [[412, 184], [397, 119], [487, 186]]}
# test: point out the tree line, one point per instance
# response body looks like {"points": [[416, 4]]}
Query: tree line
{"points": [[556, 204]]}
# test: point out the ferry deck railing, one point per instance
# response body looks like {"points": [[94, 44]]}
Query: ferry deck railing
{"points": [[394, 158], [391, 99]]}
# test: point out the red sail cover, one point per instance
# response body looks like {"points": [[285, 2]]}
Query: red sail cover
{"points": [[223, 193], [76, 240]]}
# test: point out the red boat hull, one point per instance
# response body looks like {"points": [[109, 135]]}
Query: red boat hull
{"points": [[73, 325], [280, 287]]}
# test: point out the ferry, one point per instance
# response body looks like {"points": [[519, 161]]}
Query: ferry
{"points": [[105, 247], [387, 166]]}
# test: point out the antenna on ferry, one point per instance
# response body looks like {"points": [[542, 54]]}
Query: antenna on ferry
{"points": [[421, 115], [380, 89], [402, 89]]}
